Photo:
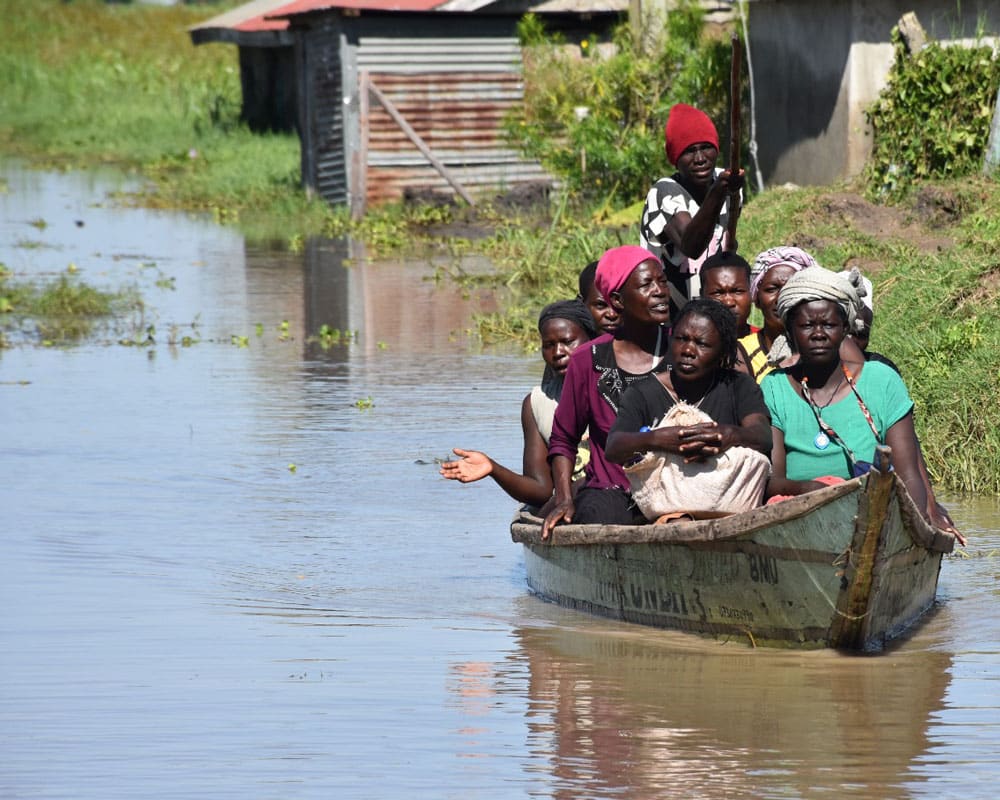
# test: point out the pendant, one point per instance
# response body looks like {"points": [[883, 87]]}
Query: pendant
{"points": [[822, 441]]}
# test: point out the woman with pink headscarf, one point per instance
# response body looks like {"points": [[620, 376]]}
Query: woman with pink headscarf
{"points": [[632, 280]]}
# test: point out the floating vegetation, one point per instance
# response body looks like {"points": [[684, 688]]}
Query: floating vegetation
{"points": [[364, 403], [63, 311], [139, 340], [328, 337]]}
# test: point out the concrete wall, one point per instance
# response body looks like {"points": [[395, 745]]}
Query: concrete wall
{"points": [[818, 65]]}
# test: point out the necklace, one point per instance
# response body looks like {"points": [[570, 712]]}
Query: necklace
{"points": [[821, 440], [829, 399]]}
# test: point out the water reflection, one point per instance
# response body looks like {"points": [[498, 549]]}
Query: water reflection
{"points": [[185, 614], [658, 715]]}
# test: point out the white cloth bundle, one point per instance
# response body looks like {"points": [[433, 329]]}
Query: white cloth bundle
{"points": [[729, 483]]}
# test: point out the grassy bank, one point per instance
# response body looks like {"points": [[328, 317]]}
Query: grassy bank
{"points": [[87, 83]]}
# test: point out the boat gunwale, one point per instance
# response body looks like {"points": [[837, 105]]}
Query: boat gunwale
{"points": [[526, 527]]}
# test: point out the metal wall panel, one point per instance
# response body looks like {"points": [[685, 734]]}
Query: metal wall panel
{"points": [[324, 170], [455, 93]]}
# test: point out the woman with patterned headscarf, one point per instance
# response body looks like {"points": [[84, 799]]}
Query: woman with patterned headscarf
{"points": [[829, 413], [769, 272]]}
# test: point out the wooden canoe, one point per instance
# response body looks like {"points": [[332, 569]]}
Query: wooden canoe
{"points": [[850, 566]]}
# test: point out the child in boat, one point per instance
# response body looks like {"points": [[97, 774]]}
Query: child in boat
{"points": [[725, 277], [685, 216], [698, 429], [633, 281], [563, 326]]}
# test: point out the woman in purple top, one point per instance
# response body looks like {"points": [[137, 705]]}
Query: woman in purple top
{"points": [[633, 281]]}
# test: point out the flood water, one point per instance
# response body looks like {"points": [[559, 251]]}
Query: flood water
{"points": [[231, 570]]}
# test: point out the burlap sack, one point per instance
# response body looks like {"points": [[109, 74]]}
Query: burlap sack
{"points": [[727, 484]]}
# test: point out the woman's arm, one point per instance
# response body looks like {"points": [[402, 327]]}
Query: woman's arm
{"points": [[754, 431], [778, 483], [906, 457], [534, 487], [622, 446], [564, 507], [692, 234]]}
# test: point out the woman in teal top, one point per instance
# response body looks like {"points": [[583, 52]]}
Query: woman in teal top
{"points": [[811, 452], [827, 413]]}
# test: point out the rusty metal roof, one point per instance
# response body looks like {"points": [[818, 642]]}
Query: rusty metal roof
{"points": [[295, 7], [260, 16]]}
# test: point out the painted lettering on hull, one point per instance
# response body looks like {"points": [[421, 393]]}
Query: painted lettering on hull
{"points": [[737, 614], [716, 568], [763, 569], [656, 599]]}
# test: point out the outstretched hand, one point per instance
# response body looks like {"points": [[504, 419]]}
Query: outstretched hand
{"points": [[471, 466]]}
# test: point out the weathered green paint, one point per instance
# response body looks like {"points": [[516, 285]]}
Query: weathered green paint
{"points": [[838, 567]]}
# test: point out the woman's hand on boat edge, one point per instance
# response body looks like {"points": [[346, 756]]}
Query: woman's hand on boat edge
{"points": [[561, 512], [941, 519]]}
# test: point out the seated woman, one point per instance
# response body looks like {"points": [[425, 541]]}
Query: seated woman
{"points": [[770, 271], [563, 326], [701, 429], [632, 280], [827, 412]]}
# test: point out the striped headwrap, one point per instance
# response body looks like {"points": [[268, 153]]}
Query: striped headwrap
{"points": [[793, 257]]}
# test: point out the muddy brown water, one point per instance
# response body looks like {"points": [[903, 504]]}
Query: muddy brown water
{"points": [[185, 615]]}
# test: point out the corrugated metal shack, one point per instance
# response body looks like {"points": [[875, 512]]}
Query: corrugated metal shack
{"points": [[394, 95]]}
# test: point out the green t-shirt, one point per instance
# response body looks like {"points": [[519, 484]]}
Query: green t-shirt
{"points": [[883, 392]]}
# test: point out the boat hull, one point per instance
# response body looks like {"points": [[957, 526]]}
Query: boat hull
{"points": [[851, 566]]}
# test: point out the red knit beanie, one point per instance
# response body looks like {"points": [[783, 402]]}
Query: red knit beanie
{"points": [[686, 126]]}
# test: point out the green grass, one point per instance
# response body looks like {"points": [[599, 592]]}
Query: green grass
{"points": [[88, 83]]}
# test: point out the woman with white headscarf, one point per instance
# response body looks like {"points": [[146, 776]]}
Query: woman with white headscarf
{"points": [[829, 413]]}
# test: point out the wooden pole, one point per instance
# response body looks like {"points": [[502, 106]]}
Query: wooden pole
{"points": [[734, 138], [359, 173]]}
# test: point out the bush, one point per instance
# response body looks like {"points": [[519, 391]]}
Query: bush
{"points": [[617, 148], [933, 118]]}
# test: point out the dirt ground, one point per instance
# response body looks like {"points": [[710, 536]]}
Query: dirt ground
{"points": [[922, 223]]}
